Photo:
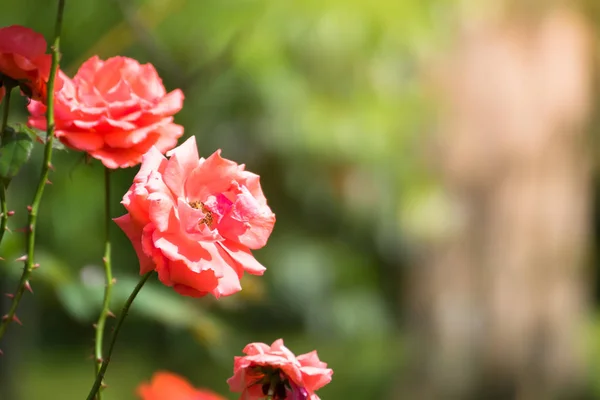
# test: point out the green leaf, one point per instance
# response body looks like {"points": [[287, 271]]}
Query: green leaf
{"points": [[80, 302], [14, 152], [39, 135], [57, 145]]}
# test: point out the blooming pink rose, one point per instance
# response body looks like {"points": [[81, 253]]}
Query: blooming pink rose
{"points": [[168, 386], [195, 221], [277, 370], [115, 110], [23, 59]]}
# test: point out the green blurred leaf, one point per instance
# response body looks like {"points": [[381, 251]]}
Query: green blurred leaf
{"points": [[39, 135], [78, 301], [14, 152]]}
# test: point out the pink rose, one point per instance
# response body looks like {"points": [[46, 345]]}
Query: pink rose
{"points": [[195, 221], [277, 370], [115, 110]]}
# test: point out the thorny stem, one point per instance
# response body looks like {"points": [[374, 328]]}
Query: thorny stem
{"points": [[109, 280], [46, 165], [3, 185], [5, 111], [3, 210], [113, 339]]}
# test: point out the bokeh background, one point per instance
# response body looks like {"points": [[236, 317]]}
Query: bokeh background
{"points": [[434, 170]]}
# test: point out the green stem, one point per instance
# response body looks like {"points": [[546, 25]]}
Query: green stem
{"points": [[6, 110], [113, 339], [4, 185], [46, 165], [3, 210], [109, 280]]}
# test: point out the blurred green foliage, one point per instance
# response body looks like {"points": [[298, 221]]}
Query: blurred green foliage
{"points": [[321, 98]]}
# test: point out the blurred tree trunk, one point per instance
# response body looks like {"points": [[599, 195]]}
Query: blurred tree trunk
{"points": [[499, 305]]}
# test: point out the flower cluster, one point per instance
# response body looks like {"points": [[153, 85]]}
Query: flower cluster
{"points": [[193, 220]]}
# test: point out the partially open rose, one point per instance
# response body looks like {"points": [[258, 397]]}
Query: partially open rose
{"points": [[274, 370], [195, 220]]}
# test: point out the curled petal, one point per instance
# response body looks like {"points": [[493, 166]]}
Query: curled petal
{"points": [[214, 175], [243, 258], [135, 236], [247, 222], [182, 161]]}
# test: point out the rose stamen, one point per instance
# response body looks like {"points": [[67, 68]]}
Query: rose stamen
{"points": [[208, 217]]}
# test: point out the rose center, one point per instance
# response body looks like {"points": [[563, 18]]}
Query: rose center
{"points": [[208, 217]]}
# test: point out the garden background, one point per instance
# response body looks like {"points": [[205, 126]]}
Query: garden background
{"points": [[433, 166]]}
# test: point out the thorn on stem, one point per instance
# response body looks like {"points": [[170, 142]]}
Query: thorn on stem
{"points": [[110, 314], [95, 326], [35, 266], [29, 208], [9, 295], [11, 213], [28, 286], [50, 167], [14, 318], [22, 258], [99, 360], [114, 280], [48, 182]]}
